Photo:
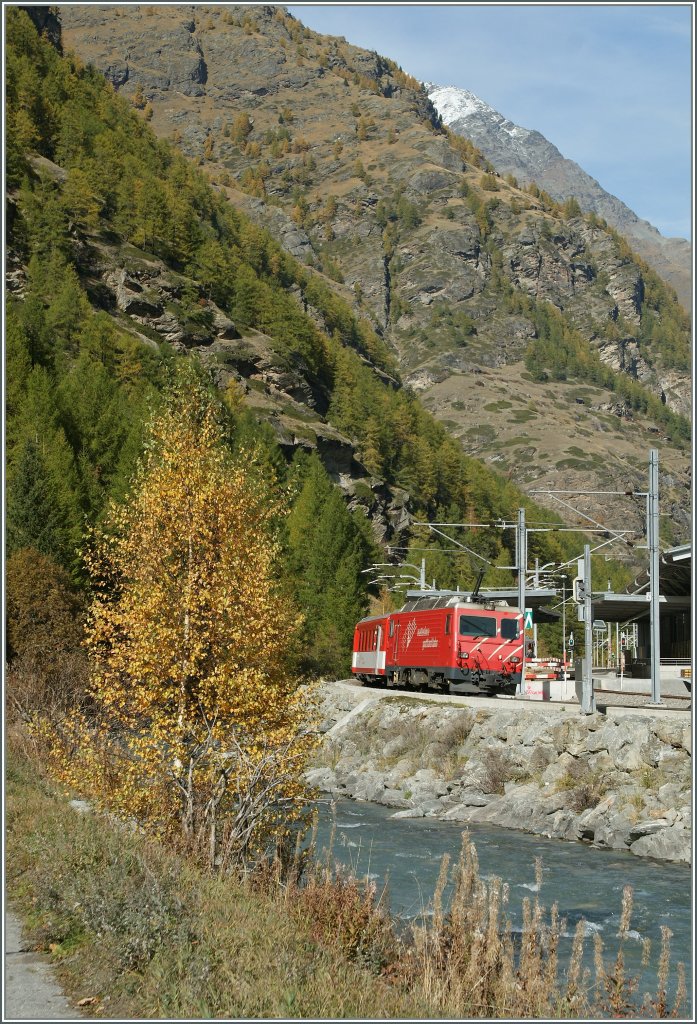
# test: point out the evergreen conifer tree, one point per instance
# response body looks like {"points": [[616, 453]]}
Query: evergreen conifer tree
{"points": [[327, 550], [35, 514], [17, 369], [41, 475]]}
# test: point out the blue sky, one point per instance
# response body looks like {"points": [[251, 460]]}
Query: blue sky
{"points": [[609, 85]]}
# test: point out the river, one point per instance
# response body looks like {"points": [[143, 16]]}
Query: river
{"points": [[584, 881]]}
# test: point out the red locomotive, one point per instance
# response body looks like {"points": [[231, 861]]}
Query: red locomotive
{"points": [[442, 641]]}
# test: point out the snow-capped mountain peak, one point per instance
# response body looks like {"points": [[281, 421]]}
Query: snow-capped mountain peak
{"points": [[452, 103], [457, 105], [529, 156]]}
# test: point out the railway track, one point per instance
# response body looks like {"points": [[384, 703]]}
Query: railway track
{"points": [[643, 696], [632, 700]]}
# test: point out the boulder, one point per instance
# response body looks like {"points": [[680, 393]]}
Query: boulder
{"points": [[687, 739], [535, 731], [560, 825], [612, 834], [392, 798], [671, 794], [323, 778], [423, 183], [368, 785], [674, 765], [673, 843], [558, 769], [647, 828], [670, 731], [430, 808], [571, 736], [462, 812], [473, 798], [224, 327]]}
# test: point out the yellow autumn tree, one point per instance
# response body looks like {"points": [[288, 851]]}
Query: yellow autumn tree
{"points": [[199, 725]]}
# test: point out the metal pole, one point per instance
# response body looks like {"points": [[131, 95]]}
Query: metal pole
{"points": [[534, 625], [587, 698], [617, 647], [654, 576], [522, 558], [621, 655], [563, 629], [422, 582], [522, 563]]}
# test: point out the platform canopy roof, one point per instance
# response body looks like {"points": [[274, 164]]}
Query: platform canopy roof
{"points": [[676, 593], [675, 590]]}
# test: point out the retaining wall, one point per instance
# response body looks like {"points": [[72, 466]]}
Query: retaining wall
{"points": [[621, 782]]}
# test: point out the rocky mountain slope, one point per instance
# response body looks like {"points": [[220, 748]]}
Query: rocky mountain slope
{"points": [[529, 156], [143, 295], [339, 153]]}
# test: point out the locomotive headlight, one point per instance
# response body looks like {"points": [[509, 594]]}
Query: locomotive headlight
{"points": [[464, 654], [515, 659]]}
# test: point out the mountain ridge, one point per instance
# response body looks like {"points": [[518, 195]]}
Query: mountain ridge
{"points": [[337, 151], [530, 156]]}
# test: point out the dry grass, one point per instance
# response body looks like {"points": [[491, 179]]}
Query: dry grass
{"points": [[499, 771], [152, 935], [156, 936], [54, 688], [587, 787]]}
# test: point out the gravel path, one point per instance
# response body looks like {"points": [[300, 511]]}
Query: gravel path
{"points": [[31, 990]]}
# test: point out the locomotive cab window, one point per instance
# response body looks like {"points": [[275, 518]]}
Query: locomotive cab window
{"points": [[477, 625], [509, 629], [391, 627]]}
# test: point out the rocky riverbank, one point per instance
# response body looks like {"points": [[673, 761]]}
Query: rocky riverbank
{"points": [[617, 782]]}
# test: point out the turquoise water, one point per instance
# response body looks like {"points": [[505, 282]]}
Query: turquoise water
{"points": [[585, 882]]}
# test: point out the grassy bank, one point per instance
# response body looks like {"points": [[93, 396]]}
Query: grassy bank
{"points": [[149, 934]]}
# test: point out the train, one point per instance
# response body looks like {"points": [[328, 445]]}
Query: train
{"points": [[445, 642]]}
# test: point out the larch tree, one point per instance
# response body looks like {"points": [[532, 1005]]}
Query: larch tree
{"points": [[201, 727]]}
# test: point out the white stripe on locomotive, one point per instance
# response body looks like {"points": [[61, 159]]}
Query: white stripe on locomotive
{"points": [[367, 661]]}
